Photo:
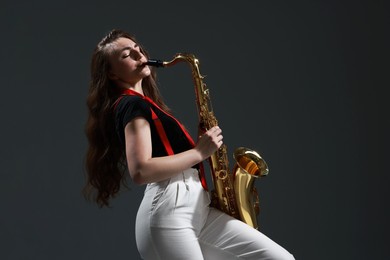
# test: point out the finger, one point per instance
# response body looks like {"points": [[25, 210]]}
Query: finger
{"points": [[215, 128], [210, 132], [218, 131]]}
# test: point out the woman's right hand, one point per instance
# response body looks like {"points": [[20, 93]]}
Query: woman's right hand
{"points": [[209, 142]]}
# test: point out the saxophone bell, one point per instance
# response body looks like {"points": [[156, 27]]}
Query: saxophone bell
{"points": [[249, 166]]}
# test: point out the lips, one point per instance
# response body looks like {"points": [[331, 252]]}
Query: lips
{"points": [[142, 64], [142, 67]]}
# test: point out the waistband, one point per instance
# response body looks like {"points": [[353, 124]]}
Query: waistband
{"points": [[190, 174]]}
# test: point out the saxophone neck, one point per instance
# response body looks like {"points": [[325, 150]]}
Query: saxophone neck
{"points": [[186, 57]]}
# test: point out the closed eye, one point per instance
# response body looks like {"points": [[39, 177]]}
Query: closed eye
{"points": [[127, 51]]}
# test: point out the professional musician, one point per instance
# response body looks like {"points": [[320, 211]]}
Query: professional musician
{"points": [[130, 129]]}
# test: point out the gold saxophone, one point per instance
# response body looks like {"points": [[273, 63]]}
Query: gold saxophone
{"points": [[233, 194]]}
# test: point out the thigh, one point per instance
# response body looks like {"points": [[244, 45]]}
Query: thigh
{"points": [[224, 237], [176, 243]]}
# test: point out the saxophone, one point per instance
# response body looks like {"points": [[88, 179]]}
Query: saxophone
{"points": [[235, 193]]}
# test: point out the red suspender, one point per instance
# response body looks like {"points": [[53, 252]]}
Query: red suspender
{"points": [[167, 144], [161, 131]]}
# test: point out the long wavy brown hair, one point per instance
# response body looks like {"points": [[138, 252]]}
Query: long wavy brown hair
{"points": [[105, 160]]}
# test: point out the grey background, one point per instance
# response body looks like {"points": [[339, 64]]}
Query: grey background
{"points": [[305, 83]]}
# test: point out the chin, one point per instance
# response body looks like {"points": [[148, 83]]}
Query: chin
{"points": [[146, 72]]}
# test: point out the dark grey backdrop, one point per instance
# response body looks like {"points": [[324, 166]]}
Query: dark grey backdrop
{"points": [[302, 82]]}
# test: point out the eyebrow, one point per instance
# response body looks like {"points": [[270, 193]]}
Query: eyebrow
{"points": [[128, 48]]}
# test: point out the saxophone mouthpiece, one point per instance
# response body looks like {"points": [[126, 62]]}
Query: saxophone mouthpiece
{"points": [[155, 63]]}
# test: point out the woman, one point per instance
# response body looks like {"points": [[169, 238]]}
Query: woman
{"points": [[124, 130]]}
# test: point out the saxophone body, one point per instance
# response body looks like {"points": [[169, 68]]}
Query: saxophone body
{"points": [[235, 193]]}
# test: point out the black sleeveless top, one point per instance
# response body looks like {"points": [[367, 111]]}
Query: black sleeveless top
{"points": [[130, 107]]}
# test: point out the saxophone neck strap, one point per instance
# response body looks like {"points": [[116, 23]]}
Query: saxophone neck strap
{"points": [[161, 131]]}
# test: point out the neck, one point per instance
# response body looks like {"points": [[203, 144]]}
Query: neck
{"points": [[136, 87]]}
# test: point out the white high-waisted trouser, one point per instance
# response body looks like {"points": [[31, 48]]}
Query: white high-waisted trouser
{"points": [[174, 221]]}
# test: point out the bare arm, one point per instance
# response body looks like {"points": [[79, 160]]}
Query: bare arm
{"points": [[145, 169]]}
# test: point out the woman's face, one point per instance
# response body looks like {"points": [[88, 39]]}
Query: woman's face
{"points": [[128, 64]]}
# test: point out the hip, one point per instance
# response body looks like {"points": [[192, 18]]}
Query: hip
{"points": [[177, 202]]}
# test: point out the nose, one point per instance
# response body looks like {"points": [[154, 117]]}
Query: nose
{"points": [[137, 54]]}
